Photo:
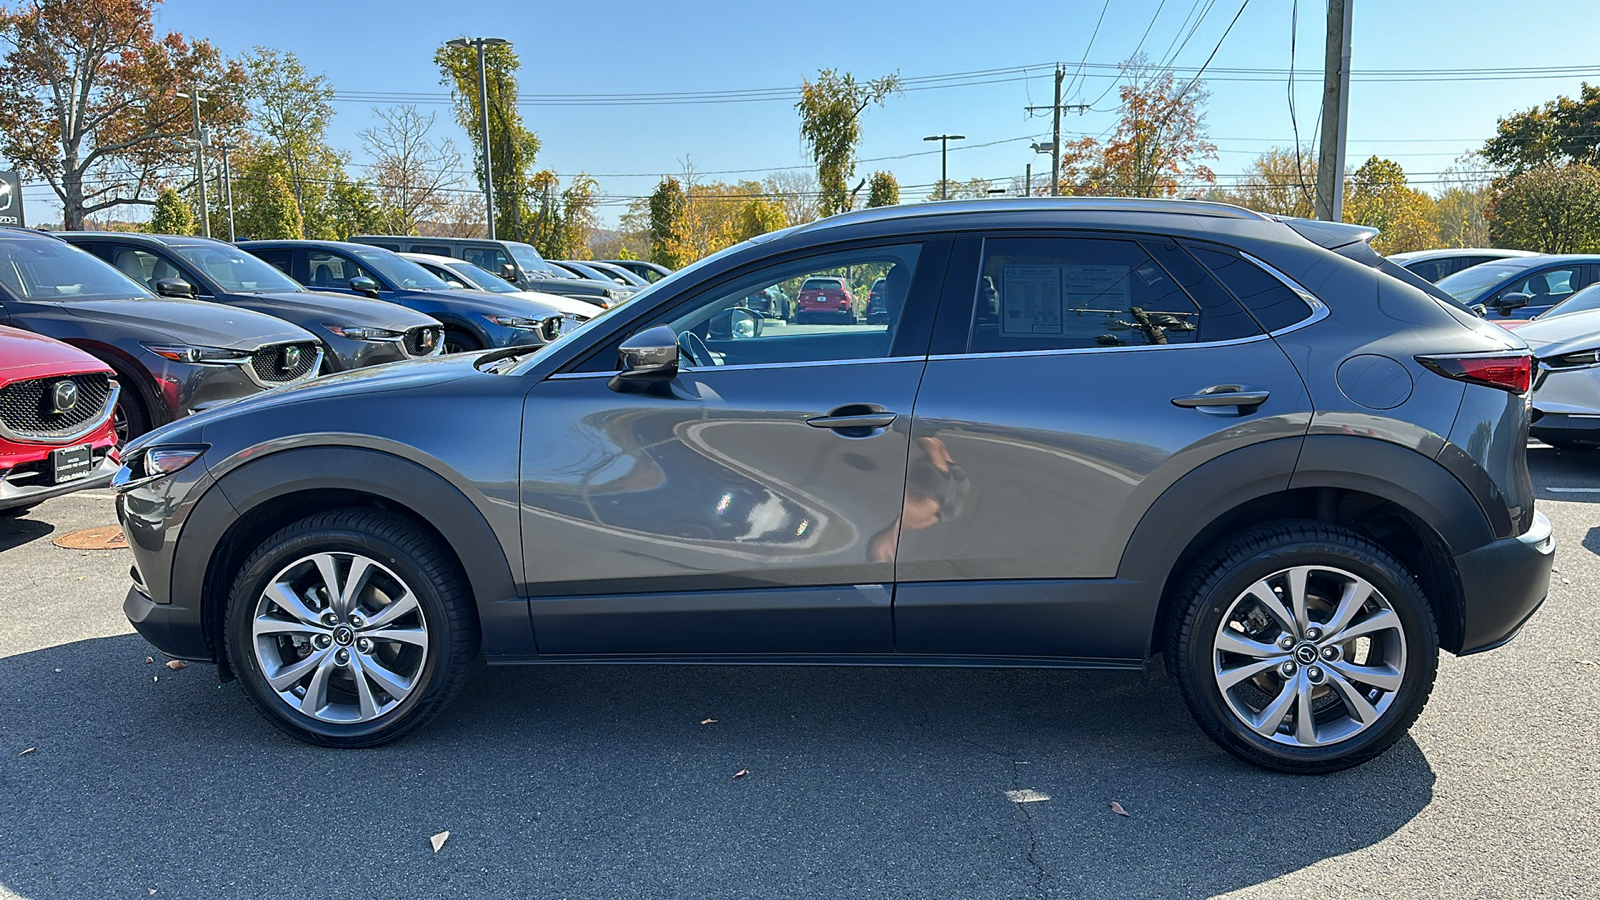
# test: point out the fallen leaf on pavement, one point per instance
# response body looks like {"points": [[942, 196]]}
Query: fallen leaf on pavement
{"points": [[27, 751], [1117, 808], [149, 659], [741, 773], [176, 664], [438, 840], [707, 721]]}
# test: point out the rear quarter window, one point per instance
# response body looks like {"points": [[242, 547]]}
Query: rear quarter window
{"points": [[1274, 304]]}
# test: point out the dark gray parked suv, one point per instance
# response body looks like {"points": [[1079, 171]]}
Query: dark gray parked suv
{"points": [[1090, 431], [173, 357]]}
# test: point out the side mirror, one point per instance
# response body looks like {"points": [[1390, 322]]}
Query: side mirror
{"points": [[508, 272], [735, 324], [648, 358], [174, 287], [361, 284], [1479, 310], [1511, 301]]}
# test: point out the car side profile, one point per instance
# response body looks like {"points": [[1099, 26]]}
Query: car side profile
{"points": [[649, 271], [353, 331], [1432, 265], [515, 261], [56, 433], [1091, 431]]}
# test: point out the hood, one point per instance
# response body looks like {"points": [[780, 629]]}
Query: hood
{"points": [[578, 286], [24, 354], [336, 309], [495, 304], [1558, 335], [188, 322], [567, 305]]}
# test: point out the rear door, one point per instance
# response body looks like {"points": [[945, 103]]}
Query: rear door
{"points": [[1072, 379]]}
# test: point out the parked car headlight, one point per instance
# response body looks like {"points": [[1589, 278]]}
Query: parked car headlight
{"points": [[156, 462], [186, 353], [1573, 360], [515, 321], [364, 333]]}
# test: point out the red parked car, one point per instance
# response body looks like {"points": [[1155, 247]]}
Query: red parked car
{"points": [[826, 299], [56, 434]]}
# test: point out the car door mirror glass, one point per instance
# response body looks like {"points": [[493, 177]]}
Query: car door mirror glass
{"points": [[174, 287], [648, 358], [734, 324], [364, 285]]}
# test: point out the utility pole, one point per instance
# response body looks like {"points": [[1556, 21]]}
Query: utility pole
{"points": [[483, 109], [1027, 180], [1335, 113], [944, 156], [200, 161], [227, 181], [1055, 130]]}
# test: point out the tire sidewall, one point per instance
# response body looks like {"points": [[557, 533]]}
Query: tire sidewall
{"points": [[266, 565], [1422, 650]]}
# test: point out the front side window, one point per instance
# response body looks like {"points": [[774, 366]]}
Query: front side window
{"points": [[48, 269], [1071, 293], [142, 266], [490, 258], [400, 271], [1547, 287], [330, 270]]}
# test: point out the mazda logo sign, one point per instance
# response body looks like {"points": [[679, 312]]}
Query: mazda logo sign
{"points": [[291, 359], [429, 337], [63, 397]]}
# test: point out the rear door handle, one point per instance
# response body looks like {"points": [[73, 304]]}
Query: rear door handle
{"points": [[1223, 395], [854, 419]]}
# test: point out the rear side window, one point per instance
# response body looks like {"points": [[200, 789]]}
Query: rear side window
{"points": [[1274, 304], [432, 249], [1081, 293], [1433, 269]]}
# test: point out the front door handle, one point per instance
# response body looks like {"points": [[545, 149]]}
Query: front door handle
{"points": [[854, 419], [1223, 395]]}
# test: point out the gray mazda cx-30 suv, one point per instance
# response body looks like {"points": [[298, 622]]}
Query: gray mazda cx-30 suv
{"points": [[173, 357], [1090, 431]]}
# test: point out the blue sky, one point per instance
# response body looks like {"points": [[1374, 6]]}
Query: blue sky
{"points": [[628, 47]]}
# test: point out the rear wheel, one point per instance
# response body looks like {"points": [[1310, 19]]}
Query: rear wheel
{"points": [[1303, 647], [350, 628]]}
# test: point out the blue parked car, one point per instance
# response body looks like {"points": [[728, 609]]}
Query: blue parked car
{"points": [[1521, 288], [473, 320]]}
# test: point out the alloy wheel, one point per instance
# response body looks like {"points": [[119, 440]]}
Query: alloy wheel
{"points": [[1309, 656], [340, 638]]}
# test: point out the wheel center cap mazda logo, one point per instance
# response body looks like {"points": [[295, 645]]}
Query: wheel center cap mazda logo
{"points": [[344, 635], [291, 359], [63, 397], [1306, 654]]}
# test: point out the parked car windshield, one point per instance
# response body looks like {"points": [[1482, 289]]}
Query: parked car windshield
{"points": [[49, 269], [235, 270], [1467, 284], [403, 272], [531, 262], [1582, 301], [482, 279]]}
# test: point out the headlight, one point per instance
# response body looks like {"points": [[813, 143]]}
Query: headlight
{"points": [[361, 333], [515, 321], [1573, 360], [156, 462], [185, 353]]}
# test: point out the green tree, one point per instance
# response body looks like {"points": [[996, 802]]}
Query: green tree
{"points": [[512, 147], [1377, 195], [830, 124], [578, 219], [883, 190], [1159, 145], [1559, 131], [1279, 183], [1548, 209], [759, 215], [172, 214], [87, 99], [293, 109], [667, 208], [351, 208], [264, 203]]}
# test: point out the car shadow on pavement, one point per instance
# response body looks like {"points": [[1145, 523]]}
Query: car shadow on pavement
{"points": [[16, 532], [584, 781], [1565, 475]]}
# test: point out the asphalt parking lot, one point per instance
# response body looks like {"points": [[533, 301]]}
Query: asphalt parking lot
{"points": [[122, 778]]}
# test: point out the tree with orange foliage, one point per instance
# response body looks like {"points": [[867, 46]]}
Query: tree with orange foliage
{"points": [[1159, 144], [87, 99]]}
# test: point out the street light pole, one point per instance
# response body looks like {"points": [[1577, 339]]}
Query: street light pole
{"points": [[227, 181], [483, 109], [200, 162], [944, 158]]}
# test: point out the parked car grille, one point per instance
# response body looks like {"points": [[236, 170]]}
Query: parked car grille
{"points": [[424, 340], [29, 408], [283, 363]]}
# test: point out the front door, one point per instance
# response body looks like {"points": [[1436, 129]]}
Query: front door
{"points": [[1072, 381], [752, 505]]}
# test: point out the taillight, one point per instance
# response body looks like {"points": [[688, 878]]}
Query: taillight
{"points": [[1507, 371]]}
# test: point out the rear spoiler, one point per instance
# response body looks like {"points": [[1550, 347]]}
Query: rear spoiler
{"points": [[1354, 242]]}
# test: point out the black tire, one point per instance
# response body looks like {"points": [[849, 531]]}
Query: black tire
{"points": [[1226, 572], [1569, 444], [459, 341], [433, 577], [131, 418]]}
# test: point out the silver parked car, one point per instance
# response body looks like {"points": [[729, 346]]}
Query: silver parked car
{"points": [[1566, 387]]}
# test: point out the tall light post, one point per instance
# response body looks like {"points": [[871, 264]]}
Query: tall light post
{"points": [[227, 182], [483, 109], [944, 158], [193, 95]]}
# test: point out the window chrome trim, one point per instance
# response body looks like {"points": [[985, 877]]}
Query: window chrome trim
{"points": [[1319, 310], [1073, 351], [563, 376]]}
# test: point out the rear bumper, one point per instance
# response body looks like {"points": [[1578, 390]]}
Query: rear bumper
{"points": [[1503, 583]]}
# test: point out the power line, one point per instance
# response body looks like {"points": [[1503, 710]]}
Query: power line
{"points": [[1092, 35], [1136, 48]]}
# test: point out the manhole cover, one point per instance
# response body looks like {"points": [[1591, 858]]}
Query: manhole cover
{"points": [[108, 538]]}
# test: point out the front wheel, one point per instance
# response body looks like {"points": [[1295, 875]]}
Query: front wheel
{"points": [[1303, 647], [350, 628], [457, 341]]}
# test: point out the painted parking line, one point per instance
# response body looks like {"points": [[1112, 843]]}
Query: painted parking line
{"points": [[1582, 490]]}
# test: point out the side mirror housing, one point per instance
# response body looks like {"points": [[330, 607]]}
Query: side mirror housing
{"points": [[174, 287], [649, 358], [508, 272], [1511, 301], [361, 284]]}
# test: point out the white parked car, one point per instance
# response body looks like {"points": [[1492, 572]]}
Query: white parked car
{"points": [[462, 275], [1566, 386], [1436, 264]]}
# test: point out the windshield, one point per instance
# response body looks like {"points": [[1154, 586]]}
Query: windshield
{"points": [[235, 270], [530, 260], [1582, 301], [482, 279], [49, 269], [1467, 284], [403, 272]]}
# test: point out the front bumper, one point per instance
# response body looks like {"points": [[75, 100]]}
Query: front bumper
{"points": [[1503, 584], [172, 629], [33, 491]]}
